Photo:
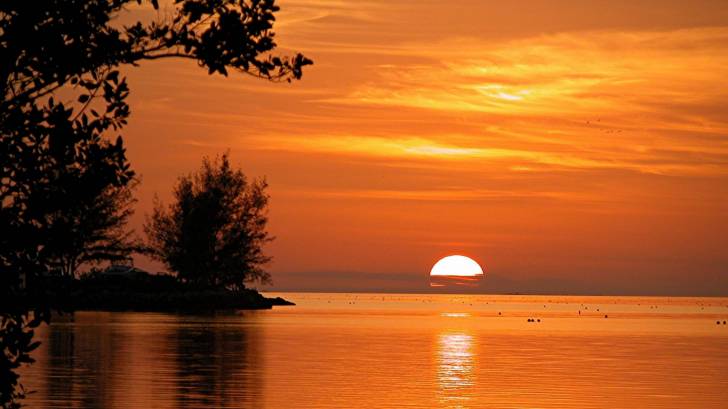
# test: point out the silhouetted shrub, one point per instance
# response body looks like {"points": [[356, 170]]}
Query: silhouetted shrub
{"points": [[214, 231]]}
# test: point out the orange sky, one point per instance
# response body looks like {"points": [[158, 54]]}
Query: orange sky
{"points": [[568, 146]]}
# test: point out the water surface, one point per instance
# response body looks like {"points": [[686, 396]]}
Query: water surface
{"points": [[394, 350]]}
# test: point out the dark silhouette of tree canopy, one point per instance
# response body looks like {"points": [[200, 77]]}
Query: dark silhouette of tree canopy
{"points": [[62, 97], [214, 231], [91, 228]]}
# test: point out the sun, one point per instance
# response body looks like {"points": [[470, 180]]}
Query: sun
{"points": [[456, 266], [456, 271]]}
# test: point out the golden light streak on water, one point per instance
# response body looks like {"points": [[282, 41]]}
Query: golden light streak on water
{"points": [[455, 368]]}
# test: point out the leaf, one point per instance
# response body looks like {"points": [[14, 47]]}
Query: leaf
{"points": [[113, 77]]}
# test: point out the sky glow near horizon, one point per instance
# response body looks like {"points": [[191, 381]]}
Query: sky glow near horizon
{"points": [[581, 144]]}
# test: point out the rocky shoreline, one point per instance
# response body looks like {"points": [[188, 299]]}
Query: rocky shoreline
{"points": [[144, 292]]}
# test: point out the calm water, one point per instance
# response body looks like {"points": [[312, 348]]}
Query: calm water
{"points": [[374, 350]]}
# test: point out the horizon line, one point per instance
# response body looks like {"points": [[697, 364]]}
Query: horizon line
{"points": [[475, 293]]}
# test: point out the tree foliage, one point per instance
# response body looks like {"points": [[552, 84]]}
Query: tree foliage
{"points": [[63, 106], [214, 231], [91, 228], [16, 329]]}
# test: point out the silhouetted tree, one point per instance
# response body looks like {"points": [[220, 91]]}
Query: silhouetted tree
{"points": [[50, 149], [213, 234], [91, 228]]}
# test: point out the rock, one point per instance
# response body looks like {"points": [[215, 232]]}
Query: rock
{"points": [[280, 301]]}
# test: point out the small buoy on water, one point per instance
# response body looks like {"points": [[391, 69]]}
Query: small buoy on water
{"points": [[538, 320], [606, 316]]}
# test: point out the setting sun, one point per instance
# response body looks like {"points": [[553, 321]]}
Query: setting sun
{"points": [[456, 266], [456, 271]]}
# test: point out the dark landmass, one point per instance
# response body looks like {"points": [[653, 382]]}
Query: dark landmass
{"points": [[419, 283], [138, 292]]}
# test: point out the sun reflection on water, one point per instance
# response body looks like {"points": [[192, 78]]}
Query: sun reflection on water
{"points": [[455, 314], [455, 368]]}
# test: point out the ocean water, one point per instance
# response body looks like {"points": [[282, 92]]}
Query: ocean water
{"points": [[393, 350]]}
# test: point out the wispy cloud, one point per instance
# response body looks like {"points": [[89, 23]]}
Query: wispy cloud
{"points": [[636, 158], [449, 195], [603, 99], [584, 73]]}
